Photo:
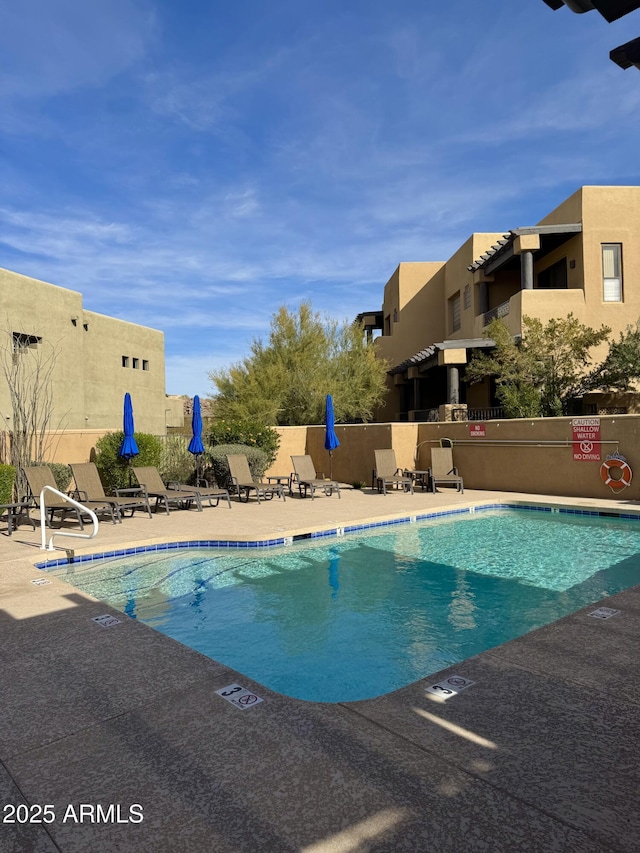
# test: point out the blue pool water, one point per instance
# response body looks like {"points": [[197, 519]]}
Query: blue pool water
{"points": [[361, 615]]}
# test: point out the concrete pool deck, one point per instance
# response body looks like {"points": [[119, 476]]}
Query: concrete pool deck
{"points": [[540, 753]]}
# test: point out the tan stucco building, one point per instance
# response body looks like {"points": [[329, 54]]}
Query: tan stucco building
{"points": [[95, 358], [582, 258]]}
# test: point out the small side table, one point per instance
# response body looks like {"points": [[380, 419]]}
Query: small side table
{"points": [[14, 512], [280, 479], [422, 477]]}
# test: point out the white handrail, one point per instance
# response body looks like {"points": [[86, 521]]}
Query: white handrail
{"points": [[79, 506]]}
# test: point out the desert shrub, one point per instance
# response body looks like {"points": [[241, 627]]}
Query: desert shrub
{"points": [[7, 480], [62, 475], [217, 459], [248, 432], [176, 463], [114, 471]]}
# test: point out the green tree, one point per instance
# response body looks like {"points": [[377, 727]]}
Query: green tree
{"points": [[544, 371], [285, 381], [621, 368]]}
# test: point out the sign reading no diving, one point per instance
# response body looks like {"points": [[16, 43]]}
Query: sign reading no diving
{"points": [[585, 435]]}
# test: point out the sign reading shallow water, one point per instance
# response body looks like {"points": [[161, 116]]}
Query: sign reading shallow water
{"points": [[604, 613], [585, 433], [40, 581], [107, 621], [239, 696], [450, 687]]}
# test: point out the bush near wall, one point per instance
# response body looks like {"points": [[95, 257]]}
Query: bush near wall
{"points": [[217, 458], [248, 432], [7, 481], [62, 475], [176, 463], [115, 471]]}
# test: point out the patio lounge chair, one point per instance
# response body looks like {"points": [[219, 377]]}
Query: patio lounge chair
{"points": [[39, 476], [443, 472], [153, 486], [244, 482], [204, 489], [91, 491], [387, 473], [306, 478]]}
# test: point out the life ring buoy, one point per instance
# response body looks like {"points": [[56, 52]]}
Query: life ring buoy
{"points": [[620, 464]]}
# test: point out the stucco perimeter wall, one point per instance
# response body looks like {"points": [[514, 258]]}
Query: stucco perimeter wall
{"points": [[513, 456], [354, 460], [72, 445], [293, 442]]}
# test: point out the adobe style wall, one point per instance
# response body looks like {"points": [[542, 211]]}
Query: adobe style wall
{"points": [[96, 359], [528, 455], [514, 455]]}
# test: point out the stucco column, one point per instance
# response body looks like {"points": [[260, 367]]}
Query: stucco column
{"points": [[453, 384], [526, 271]]}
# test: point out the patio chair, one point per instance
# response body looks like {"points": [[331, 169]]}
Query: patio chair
{"points": [[387, 473], [39, 476], [204, 489], [442, 471], [153, 486], [244, 482], [91, 491], [307, 479]]}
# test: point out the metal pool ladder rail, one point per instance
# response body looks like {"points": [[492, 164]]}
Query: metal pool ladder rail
{"points": [[43, 516]]}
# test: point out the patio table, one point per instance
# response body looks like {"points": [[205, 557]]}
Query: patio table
{"points": [[15, 511]]}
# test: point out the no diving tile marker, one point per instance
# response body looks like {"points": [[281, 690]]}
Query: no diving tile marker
{"points": [[40, 581], [239, 696], [451, 686], [107, 621], [604, 613]]}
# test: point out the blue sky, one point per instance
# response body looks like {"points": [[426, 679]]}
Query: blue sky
{"points": [[192, 166]]}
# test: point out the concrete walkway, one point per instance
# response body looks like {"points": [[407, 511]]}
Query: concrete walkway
{"points": [[116, 740]]}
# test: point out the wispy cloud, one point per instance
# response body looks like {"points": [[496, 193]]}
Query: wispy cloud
{"points": [[198, 170]]}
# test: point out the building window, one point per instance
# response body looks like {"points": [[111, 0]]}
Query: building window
{"points": [[454, 312], [554, 277], [467, 296], [136, 363], [125, 361], [387, 324], [612, 272], [145, 364], [395, 315], [22, 342]]}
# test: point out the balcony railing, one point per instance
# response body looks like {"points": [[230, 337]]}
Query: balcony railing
{"points": [[490, 413], [499, 311]]}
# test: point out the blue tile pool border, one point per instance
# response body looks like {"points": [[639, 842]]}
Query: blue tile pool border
{"points": [[336, 531]]}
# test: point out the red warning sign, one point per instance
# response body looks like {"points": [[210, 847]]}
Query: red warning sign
{"points": [[585, 435], [477, 431]]}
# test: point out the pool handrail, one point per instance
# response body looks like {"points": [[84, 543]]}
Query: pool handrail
{"points": [[78, 506]]}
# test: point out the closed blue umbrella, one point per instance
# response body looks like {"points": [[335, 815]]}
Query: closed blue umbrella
{"points": [[330, 437], [128, 448], [195, 445]]}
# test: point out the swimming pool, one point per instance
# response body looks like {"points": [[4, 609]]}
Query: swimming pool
{"points": [[357, 616]]}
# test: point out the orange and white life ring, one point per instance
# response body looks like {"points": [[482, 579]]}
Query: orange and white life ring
{"points": [[623, 476]]}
